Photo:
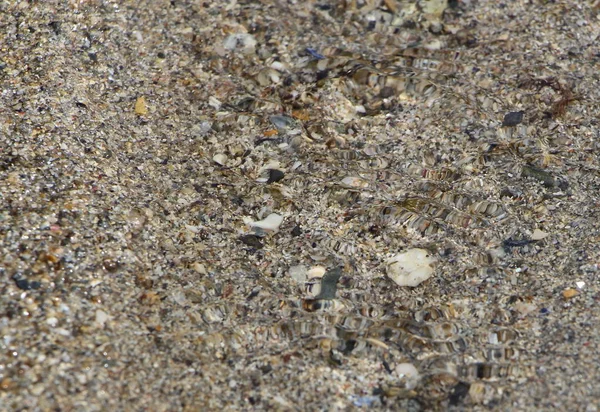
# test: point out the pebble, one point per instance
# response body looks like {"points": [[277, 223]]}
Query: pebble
{"points": [[410, 268], [570, 293], [200, 268], [296, 231], [140, 106], [282, 122], [101, 318], [252, 241], [298, 273], [214, 103], [329, 284], [24, 284], [275, 175], [512, 119]]}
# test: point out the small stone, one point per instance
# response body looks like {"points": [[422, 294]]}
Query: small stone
{"points": [[136, 219], [410, 268], [200, 268], [275, 175], [21, 283], [459, 392], [140, 106], [252, 241], [296, 231], [329, 284], [477, 392], [298, 273], [214, 103], [101, 318], [282, 123], [512, 119], [570, 293]]}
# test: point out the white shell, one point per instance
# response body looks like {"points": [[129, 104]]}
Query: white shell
{"points": [[220, 158], [409, 374], [410, 268], [270, 223], [240, 41], [354, 182], [316, 272]]}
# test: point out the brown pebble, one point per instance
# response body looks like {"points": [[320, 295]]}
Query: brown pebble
{"points": [[140, 106], [570, 293]]}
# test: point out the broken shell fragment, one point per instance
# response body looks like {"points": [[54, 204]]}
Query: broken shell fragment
{"points": [[243, 42], [538, 235], [316, 272], [409, 374], [352, 181], [269, 224], [220, 159], [410, 268]]}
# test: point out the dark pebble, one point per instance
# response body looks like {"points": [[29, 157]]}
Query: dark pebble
{"points": [[55, 26], [275, 175], [386, 92], [349, 347], [296, 231], [459, 392], [252, 241], [329, 284], [23, 284], [512, 119], [322, 74]]}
